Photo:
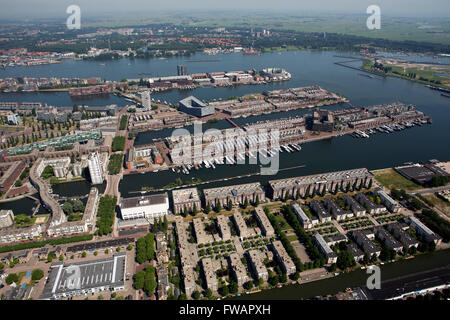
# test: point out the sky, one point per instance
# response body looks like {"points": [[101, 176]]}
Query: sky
{"points": [[28, 9]]}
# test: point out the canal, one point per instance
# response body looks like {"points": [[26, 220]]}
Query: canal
{"points": [[354, 279]]}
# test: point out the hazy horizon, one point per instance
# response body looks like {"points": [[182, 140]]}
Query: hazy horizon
{"points": [[51, 9]]}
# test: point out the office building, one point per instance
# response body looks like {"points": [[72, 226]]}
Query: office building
{"points": [[193, 106], [147, 207]]}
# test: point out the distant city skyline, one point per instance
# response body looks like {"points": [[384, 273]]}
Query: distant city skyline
{"points": [[43, 9]]}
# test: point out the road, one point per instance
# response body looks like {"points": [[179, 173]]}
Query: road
{"points": [[430, 190], [112, 184]]}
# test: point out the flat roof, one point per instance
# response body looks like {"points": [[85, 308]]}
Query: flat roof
{"points": [[142, 201], [67, 278], [185, 195]]}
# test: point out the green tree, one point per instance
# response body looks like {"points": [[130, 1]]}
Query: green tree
{"points": [[248, 285], [233, 287], [37, 274], [345, 260], [12, 277], [196, 295], [224, 291]]}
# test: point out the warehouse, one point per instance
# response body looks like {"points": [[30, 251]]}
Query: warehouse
{"points": [[81, 278]]}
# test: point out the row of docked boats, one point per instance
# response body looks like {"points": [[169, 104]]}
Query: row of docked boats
{"points": [[238, 157], [388, 128]]}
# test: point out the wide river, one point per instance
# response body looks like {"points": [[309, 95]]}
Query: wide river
{"points": [[307, 68]]}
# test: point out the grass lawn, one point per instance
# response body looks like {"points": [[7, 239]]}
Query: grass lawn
{"points": [[292, 238], [439, 203], [393, 180]]}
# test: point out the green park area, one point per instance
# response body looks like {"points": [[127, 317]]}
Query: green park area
{"points": [[426, 75], [393, 180]]}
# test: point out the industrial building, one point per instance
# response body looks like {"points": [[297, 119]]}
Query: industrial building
{"points": [[148, 207], [419, 173], [81, 278]]}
